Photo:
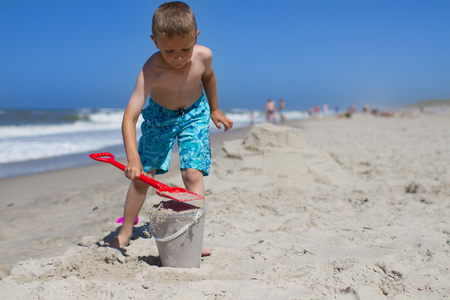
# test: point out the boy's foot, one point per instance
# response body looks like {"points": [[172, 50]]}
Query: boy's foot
{"points": [[206, 252], [115, 243]]}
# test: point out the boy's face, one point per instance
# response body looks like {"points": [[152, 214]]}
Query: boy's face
{"points": [[177, 50]]}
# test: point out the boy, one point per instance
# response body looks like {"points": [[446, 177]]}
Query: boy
{"points": [[174, 77]]}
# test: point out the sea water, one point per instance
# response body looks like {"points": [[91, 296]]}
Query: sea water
{"points": [[39, 140]]}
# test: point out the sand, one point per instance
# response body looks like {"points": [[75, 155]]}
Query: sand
{"points": [[321, 209]]}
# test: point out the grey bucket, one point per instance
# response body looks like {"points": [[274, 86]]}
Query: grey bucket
{"points": [[179, 237]]}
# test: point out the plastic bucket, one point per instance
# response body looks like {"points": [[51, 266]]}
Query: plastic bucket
{"points": [[178, 235]]}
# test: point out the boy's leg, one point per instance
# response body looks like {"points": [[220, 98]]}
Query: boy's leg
{"points": [[133, 204], [193, 180]]}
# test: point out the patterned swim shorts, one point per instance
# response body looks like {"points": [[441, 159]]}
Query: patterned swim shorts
{"points": [[161, 126]]}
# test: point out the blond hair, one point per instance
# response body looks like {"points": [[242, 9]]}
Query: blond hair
{"points": [[173, 19]]}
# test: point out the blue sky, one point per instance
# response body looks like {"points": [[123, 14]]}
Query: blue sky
{"points": [[75, 54]]}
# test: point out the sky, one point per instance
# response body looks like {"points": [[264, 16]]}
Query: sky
{"points": [[87, 54]]}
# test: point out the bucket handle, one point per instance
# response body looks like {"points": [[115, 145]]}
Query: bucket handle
{"points": [[181, 231]]}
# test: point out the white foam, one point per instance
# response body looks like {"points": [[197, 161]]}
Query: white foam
{"points": [[95, 130], [23, 149], [98, 121]]}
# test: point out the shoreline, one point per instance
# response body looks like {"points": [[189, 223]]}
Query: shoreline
{"points": [[44, 165], [65, 162]]}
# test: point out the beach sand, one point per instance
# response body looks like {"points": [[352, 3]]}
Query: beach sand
{"points": [[321, 209]]}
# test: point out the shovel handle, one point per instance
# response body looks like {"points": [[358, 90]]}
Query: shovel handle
{"points": [[109, 158]]}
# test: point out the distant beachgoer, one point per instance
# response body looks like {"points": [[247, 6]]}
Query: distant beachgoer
{"points": [[376, 112], [317, 109], [325, 109], [252, 119], [270, 111], [174, 104], [365, 108], [349, 113], [280, 109]]}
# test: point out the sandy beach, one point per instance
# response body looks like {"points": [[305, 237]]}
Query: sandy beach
{"points": [[334, 208]]}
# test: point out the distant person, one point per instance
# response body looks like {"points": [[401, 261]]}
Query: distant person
{"points": [[349, 113], [270, 111], [365, 108], [281, 111], [376, 112], [325, 109], [252, 119], [175, 78]]}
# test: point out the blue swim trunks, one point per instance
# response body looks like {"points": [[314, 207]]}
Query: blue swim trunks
{"points": [[161, 126]]}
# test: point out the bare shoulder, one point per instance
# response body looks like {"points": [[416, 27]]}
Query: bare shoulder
{"points": [[203, 52], [153, 63]]}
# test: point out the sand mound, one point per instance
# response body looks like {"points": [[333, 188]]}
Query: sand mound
{"points": [[280, 154], [266, 136]]}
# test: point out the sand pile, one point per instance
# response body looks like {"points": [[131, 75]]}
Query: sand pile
{"points": [[279, 154]]}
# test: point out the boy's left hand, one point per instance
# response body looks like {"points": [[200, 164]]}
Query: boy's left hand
{"points": [[218, 117]]}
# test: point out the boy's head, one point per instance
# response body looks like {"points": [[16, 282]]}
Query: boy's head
{"points": [[175, 33], [173, 19]]}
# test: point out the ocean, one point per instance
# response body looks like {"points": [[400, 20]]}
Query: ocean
{"points": [[41, 140]]}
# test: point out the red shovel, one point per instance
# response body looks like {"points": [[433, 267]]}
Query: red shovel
{"points": [[175, 193]]}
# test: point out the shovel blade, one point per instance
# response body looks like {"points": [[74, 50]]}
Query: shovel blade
{"points": [[174, 193], [179, 194]]}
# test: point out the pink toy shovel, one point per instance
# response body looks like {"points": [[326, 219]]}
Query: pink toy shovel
{"points": [[175, 193]]}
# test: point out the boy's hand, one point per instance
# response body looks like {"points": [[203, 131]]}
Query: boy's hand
{"points": [[133, 170], [218, 117]]}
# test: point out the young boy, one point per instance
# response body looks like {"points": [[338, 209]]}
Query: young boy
{"points": [[174, 77]]}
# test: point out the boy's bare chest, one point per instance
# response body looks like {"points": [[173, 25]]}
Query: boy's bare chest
{"points": [[178, 88], [178, 79]]}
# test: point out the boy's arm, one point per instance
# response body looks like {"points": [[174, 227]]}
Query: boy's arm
{"points": [[130, 117], [209, 84]]}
